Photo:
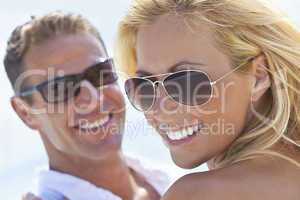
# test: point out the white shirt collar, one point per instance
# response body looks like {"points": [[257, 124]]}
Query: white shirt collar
{"points": [[53, 183]]}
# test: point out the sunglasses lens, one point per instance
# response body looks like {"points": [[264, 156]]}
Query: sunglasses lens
{"points": [[60, 89], [102, 74], [189, 87], [140, 93], [63, 88]]}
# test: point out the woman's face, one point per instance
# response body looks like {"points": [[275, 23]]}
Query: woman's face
{"points": [[169, 45]]}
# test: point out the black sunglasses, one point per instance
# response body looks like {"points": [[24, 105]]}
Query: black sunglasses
{"points": [[186, 87], [61, 89]]}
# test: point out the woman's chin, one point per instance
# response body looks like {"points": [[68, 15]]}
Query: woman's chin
{"points": [[187, 162]]}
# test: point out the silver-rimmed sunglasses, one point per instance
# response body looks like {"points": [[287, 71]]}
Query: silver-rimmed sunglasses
{"points": [[186, 87]]}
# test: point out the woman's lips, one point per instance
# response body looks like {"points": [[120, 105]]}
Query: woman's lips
{"points": [[181, 136]]}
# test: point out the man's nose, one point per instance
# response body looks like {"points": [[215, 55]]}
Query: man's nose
{"points": [[88, 97]]}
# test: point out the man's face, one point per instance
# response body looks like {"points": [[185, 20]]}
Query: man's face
{"points": [[89, 125]]}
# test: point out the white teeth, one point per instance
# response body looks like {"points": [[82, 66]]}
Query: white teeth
{"points": [[195, 128], [191, 130], [182, 134], [96, 124]]}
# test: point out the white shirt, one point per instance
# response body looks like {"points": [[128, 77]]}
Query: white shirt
{"points": [[53, 185]]}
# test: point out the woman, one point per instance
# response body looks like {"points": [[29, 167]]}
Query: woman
{"points": [[219, 80]]}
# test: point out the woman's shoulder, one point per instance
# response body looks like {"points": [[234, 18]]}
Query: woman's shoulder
{"points": [[264, 178]]}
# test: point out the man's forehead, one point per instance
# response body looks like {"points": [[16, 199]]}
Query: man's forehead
{"points": [[63, 49], [70, 54]]}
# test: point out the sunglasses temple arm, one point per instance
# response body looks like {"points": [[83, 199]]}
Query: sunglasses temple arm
{"points": [[230, 72], [26, 92]]}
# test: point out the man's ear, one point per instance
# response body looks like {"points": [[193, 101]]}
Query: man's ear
{"points": [[262, 78], [23, 110]]}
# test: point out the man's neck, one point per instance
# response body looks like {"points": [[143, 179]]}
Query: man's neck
{"points": [[110, 173]]}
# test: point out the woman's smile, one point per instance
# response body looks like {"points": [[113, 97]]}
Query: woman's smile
{"points": [[174, 137]]}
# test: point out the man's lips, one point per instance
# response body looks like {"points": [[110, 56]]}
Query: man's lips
{"points": [[95, 124]]}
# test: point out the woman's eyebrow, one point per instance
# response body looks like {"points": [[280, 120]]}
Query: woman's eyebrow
{"points": [[179, 65], [142, 73], [173, 68]]}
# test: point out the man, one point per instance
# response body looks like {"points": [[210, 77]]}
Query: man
{"points": [[66, 89]]}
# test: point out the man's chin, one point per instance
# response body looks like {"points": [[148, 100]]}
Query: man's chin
{"points": [[98, 136], [95, 150]]}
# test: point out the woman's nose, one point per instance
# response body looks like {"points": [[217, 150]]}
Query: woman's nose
{"points": [[163, 102]]}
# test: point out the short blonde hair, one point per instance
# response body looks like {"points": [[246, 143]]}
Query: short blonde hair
{"points": [[39, 30], [243, 29]]}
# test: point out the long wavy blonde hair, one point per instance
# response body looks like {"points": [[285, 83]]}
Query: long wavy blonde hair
{"points": [[243, 29]]}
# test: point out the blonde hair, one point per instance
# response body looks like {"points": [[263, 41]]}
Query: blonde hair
{"points": [[243, 29], [39, 30]]}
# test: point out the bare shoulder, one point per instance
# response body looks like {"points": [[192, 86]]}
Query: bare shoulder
{"points": [[248, 180]]}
